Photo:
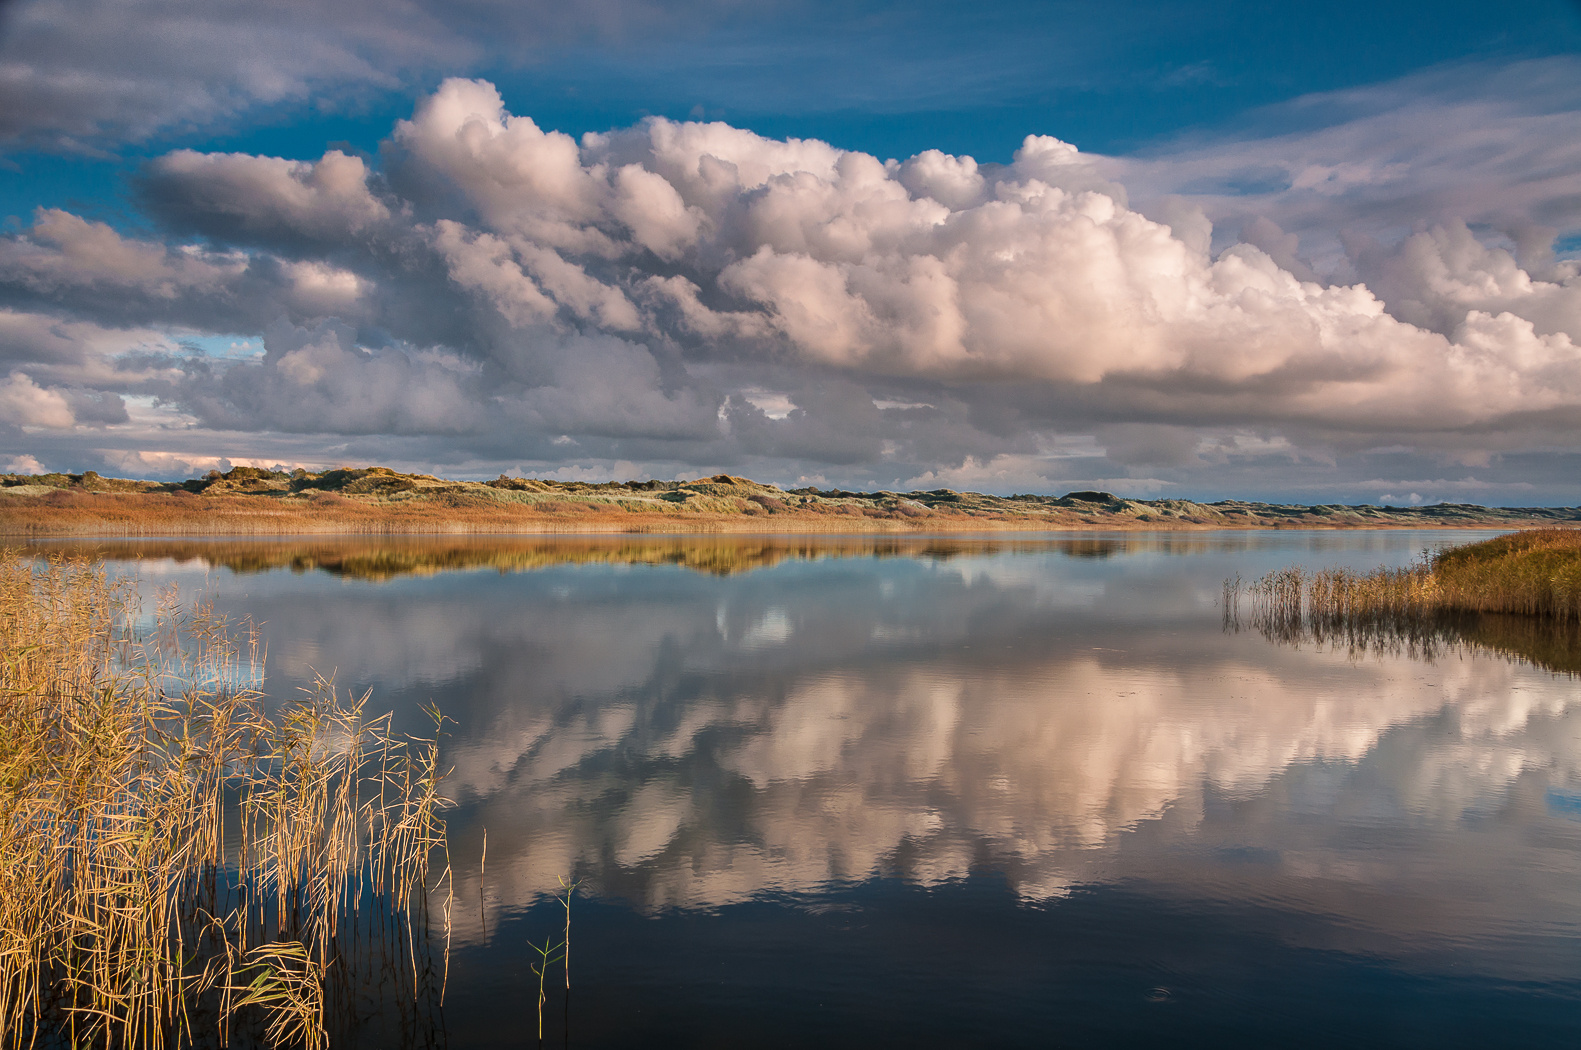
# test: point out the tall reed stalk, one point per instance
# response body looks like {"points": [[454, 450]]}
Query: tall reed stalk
{"points": [[181, 861]]}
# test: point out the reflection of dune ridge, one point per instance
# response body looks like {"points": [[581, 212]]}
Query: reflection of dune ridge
{"points": [[385, 558]]}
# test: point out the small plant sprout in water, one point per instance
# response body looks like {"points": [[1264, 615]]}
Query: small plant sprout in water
{"points": [[550, 952], [567, 888], [554, 951]]}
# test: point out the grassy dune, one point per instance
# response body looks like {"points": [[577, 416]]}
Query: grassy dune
{"points": [[248, 501], [181, 863]]}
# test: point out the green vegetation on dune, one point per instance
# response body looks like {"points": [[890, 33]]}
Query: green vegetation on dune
{"points": [[375, 498]]}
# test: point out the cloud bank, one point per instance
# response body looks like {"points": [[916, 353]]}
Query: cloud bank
{"points": [[682, 296]]}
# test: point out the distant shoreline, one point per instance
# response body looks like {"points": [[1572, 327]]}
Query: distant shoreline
{"points": [[376, 501]]}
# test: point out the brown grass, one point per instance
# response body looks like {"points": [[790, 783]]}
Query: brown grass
{"points": [[1532, 573], [1519, 594], [176, 858]]}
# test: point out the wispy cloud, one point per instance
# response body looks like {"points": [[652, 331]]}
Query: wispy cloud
{"points": [[1495, 146], [78, 73]]}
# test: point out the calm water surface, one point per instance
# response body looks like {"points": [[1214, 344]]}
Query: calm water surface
{"points": [[1016, 792]]}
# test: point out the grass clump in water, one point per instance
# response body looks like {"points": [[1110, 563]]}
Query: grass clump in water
{"points": [[180, 864], [1519, 594], [1532, 573]]}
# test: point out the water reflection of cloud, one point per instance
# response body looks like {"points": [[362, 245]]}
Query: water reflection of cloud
{"points": [[772, 628], [1040, 771], [685, 740], [679, 753], [389, 641]]}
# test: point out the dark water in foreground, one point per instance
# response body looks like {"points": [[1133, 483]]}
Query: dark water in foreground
{"points": [[1019, 792]]}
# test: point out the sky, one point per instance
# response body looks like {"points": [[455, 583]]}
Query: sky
{"points": [[1306, 252]]}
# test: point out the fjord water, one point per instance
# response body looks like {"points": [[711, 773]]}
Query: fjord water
{"points": [[1012, 791]]}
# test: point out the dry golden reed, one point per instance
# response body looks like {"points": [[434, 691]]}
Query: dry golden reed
{"points": [[1531, 573], [182, 862], [1519, 594]]}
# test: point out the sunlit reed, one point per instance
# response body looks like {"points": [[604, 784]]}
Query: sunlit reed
{"points": [[182, 861], [1519, 594]]}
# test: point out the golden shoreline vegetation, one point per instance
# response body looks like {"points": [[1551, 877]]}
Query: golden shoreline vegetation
{"points": [[1519, 594], [182, 861]]}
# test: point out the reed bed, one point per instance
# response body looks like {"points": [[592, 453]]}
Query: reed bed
{"points": [[181, 861], [1531, 573], [1519, 594], [1387, 610]]}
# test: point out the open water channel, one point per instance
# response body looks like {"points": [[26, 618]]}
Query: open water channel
{"points": [[1003, 791]]}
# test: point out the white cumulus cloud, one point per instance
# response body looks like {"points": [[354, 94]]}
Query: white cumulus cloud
{"points": [[500, 285]]}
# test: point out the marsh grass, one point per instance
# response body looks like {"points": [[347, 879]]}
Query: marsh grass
{"points": [[1518, 594], [1532, 573], [180, 862]]}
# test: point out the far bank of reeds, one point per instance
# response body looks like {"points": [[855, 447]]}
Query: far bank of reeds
{"points": [[181, 861], [1519, 593]]}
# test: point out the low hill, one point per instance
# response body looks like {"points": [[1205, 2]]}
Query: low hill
{"points": [[250, 501]]}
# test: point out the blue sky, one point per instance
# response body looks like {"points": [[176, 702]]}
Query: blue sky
{"points": [[1402, 173], [891, 80]]}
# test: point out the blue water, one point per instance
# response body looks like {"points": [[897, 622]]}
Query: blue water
{"points": [[1025, 792]]}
